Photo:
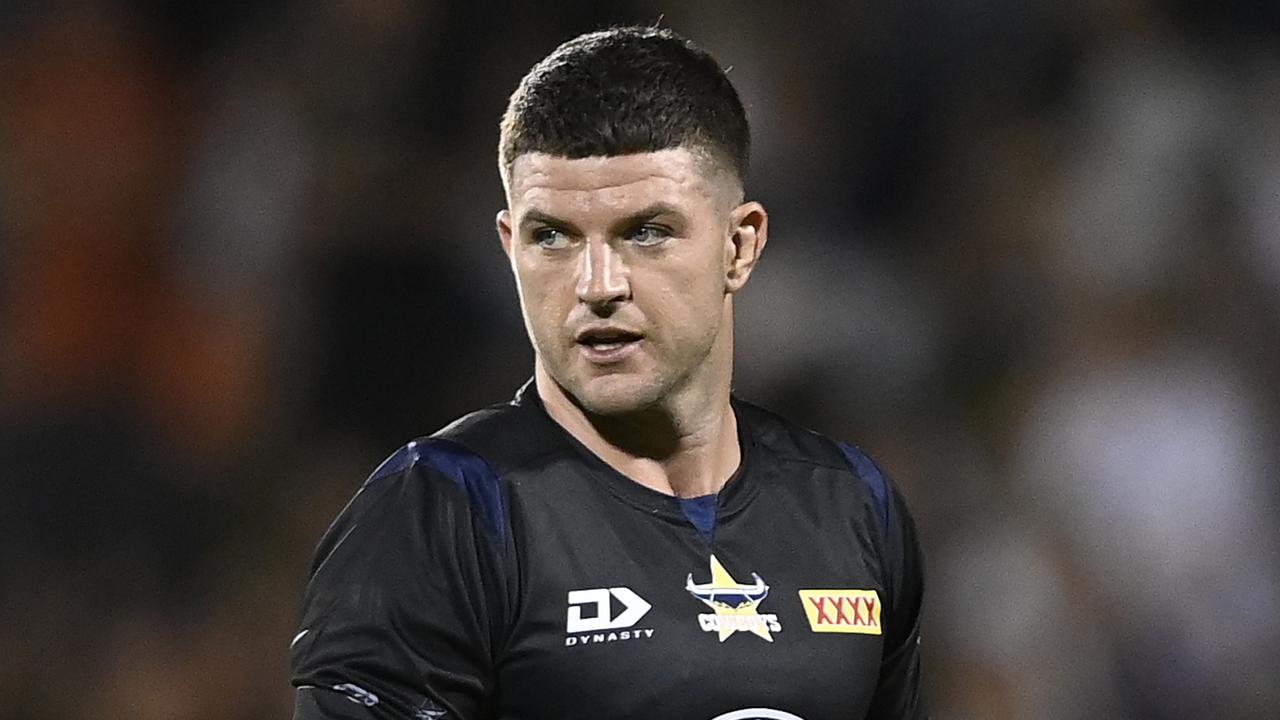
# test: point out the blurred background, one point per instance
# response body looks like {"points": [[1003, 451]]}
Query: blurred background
{"points": [[1026, 254]]}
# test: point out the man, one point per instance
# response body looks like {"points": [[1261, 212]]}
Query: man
{"points": [[624, 539]]}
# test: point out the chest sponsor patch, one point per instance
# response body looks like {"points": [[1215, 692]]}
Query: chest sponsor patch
{"points": [[842, 611], [605, 615]]}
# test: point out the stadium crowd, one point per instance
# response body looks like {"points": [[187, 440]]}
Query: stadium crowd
{"points": [[1026, 254]]}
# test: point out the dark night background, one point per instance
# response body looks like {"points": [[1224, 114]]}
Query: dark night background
{"points": [[1026, 254]]}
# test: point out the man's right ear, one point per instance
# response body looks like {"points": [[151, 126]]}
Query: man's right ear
{"points": [[504, 230]]}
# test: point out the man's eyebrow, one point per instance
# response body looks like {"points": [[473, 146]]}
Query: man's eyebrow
{"points": [[642, 216], [534, 216]]}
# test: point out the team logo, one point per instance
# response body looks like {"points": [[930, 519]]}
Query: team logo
{"points": [[758, 714], [591, 617], [734, 604], [842, 611]]}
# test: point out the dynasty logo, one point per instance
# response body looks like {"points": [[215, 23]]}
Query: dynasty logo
{"points": [[842, 611], [591, 617], [734, 604]]}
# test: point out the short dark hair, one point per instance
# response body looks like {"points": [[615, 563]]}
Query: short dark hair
{"points": [[621, 91]]}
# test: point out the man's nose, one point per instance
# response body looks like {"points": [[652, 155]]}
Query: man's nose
{"points": [[602, 274]]}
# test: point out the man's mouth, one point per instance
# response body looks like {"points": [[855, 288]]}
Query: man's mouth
{"points": [[607, 344]]}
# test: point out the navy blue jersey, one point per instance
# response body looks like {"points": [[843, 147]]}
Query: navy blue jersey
{"points": [[499, 569]]}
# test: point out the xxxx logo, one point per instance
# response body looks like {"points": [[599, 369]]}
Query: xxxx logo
{"points": [[842, 611]]}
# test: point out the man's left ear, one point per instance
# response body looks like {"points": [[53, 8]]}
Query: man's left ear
{"points": [[748, 232], [503, 223]]}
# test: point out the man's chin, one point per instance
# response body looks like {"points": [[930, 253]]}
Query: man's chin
{"points": [[616, 394]]}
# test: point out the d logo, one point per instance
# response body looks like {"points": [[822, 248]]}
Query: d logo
{"points": [[601, 617]]}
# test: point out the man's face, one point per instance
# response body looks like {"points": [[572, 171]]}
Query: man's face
{"points": [[624, 266]]}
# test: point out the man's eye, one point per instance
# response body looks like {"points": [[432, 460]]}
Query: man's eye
{"points": [[550, 238], [649, 235]]}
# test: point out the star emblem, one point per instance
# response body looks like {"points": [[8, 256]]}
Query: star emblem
{"points": [[733, 603]]}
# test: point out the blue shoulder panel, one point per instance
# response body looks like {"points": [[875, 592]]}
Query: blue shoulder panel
{"points": [[466, 469], [397, 463], [866, 470]]}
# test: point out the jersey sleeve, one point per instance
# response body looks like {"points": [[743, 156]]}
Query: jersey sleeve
{"points": [[407, 604], [897, 694]]}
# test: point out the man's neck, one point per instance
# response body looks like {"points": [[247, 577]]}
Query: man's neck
{"points": [[682, 451]]}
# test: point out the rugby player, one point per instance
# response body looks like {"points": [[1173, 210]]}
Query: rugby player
{"points": [[625, 538]]}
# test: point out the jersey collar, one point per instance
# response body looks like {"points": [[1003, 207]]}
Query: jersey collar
{"points": [[737, 492]]}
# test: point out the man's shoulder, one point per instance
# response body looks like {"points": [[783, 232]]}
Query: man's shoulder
{"points": [[788, 441], [506, 435], [493, 439], [501, 436], [462, 464]]}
